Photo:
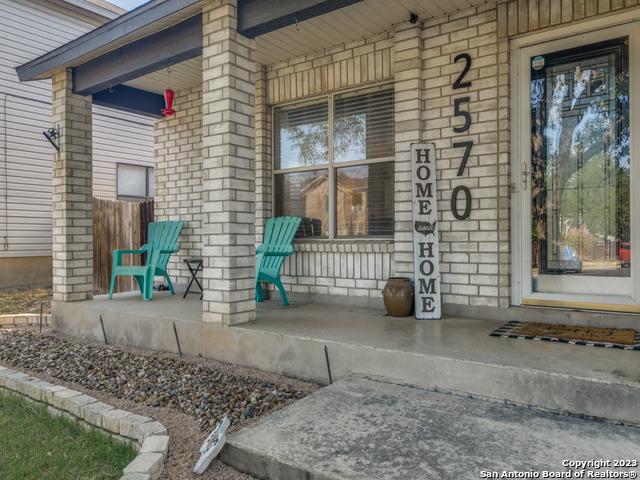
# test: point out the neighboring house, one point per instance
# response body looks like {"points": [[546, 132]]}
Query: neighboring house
{"points": [[122, 142]]}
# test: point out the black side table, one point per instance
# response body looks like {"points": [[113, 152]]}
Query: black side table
{"points": [[194, 272]]}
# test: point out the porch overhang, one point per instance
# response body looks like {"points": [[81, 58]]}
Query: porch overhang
{"points": [[255, 18], [172, 45], [130, 99], [134, 49], [151, 37], [152, 17], [160, 20]]}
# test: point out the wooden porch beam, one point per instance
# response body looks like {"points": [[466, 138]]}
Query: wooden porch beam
{"points": [[129, 99], [257, 17], [167, 47]]}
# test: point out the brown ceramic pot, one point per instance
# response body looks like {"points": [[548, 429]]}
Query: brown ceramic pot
{"points": [[398, 296]]}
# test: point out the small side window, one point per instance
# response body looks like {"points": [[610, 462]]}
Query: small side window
{"points": [[134, 182]]}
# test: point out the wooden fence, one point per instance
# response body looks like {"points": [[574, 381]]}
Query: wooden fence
{"points": [[117, 225]]}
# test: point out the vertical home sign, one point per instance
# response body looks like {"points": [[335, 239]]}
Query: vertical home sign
{"points": [[425, 231]]}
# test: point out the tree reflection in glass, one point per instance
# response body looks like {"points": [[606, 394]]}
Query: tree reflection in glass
{"points": [[580, 162], [303, 136]]}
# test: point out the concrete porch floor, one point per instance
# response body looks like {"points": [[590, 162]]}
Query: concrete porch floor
{"points": [[454, 354]]}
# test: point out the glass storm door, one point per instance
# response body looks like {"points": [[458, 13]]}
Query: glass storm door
{"points": [[580, 166]]}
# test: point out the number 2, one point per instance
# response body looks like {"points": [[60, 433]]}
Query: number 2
{"points": [[467, 66]]}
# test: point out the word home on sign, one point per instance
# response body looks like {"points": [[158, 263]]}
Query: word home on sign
{"points": [[425, 232]]}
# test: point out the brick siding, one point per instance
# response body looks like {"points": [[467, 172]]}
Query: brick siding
{"points": [[178, 176], [470, 249]]}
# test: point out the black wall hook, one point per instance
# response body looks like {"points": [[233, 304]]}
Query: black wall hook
{"points": [[53, 135]]}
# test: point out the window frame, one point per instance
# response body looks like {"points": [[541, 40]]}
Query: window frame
{"points": [[146, 178], [331, 166]]}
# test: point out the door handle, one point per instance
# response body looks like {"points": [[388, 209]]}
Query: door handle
{"points": [[525, 175]]}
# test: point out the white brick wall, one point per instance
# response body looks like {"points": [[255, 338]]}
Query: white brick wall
{"points": [[343, 66], [178, 176], [323, 267], [408, 116], [470, 249]]}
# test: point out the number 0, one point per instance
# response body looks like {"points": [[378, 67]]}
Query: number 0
{"points": [[467, 202]]}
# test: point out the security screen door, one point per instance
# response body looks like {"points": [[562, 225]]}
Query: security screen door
{"points": [[578, 176]]}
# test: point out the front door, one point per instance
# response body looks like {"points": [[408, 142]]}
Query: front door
{"points": [[576, 189]]}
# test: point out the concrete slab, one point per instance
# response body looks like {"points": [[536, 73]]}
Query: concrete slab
{"points": [[454, 354], [361, 428]]}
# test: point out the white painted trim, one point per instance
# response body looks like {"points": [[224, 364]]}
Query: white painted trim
{"points": [[624, 24]]}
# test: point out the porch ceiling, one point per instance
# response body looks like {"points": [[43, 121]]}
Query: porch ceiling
{"points": [[349, 24], [182, 76], [345, 25]]}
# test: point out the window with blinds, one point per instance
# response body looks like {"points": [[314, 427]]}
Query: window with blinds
{"points": [[363, 126], [302, 136], [334, 164]]}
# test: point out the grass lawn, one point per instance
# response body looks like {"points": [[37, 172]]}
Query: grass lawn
{"points": [[13, 302], [34, 445]]}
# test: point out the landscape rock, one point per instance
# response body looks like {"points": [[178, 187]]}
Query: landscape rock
{"points": [[196, 389]]}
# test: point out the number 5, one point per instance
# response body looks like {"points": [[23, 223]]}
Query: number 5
{"points": [[461, 113]]}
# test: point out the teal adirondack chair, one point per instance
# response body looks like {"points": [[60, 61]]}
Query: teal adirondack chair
{"points": [[161, 243], [276, 246]]}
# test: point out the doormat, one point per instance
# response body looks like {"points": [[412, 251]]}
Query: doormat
{"points": [[626, 339]]}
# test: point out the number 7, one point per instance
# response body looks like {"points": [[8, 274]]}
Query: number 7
{"points": [[465, 156]]}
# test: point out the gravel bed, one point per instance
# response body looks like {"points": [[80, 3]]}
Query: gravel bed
{"points": [[188, 395]]}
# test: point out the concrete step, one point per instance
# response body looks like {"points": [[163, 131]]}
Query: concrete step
{"points": [[361, 428], [452, 355]]}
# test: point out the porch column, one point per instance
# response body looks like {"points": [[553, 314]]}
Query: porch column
{"points": [[72, 188], [228, 167], [408, 129], [264, 171]]}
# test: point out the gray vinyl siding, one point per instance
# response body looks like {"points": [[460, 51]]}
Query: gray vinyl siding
{"points": [[27, 29], [118, 138]]}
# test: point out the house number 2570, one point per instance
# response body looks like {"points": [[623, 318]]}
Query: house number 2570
{"points": [[460, 109]]}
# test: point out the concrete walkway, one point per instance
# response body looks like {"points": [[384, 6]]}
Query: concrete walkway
{"points": [[361, 428]]}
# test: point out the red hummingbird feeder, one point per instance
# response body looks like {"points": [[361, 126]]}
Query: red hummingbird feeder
{"points": [[168, 101]]}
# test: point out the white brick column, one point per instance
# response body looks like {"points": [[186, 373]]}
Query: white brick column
{"points": [[72, 203], [408, 129], [228, 167], [263, 153]]}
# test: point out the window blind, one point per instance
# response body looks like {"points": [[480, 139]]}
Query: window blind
{"points": [[302, 135], [363, 125]]}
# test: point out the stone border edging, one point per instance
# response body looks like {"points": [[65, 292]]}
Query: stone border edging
{"points": [[18, 319], [149, 436]]}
